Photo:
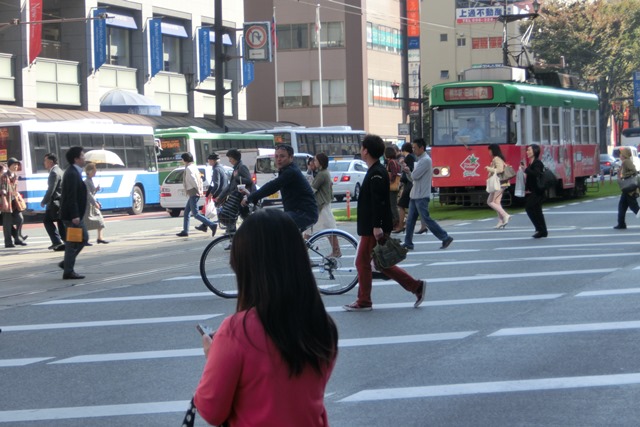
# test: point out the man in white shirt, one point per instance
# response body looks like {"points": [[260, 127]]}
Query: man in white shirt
{"points": [[192, 182], [420, 196]]}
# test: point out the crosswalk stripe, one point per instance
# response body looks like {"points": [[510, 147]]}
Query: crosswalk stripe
{"points": [[493, 387], [609, 292], [190, 352], [6, 363], [529, 259], [93, 411], [124, 299], [559, 329], [121, 322]]}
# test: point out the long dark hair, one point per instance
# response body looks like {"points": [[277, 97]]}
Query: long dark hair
{"points": [[275, 278], [536, 151], [496, 151]]}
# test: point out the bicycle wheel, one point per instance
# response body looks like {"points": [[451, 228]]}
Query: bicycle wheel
{"points": [[334, 274], [215, 269]]}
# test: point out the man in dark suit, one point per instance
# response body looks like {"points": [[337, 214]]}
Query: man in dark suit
{"points": [[72, 207], [374, 223], [51, 203]]}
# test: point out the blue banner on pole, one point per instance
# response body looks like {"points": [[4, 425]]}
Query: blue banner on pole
{"points": [[155, 46], [636, 89], [99, 39], [248, 73], [204, 48]]}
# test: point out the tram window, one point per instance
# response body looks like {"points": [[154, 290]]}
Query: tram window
{"points": [[593, 126], [555, 125], [535, 124], [585, 126], [577, 125]]}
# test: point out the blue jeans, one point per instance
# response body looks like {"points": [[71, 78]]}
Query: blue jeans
{"points": [[191, 208], [421, 206], [303, 219]]}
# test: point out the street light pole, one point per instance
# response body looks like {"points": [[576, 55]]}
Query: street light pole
{"points": [[395, 87], [219, 64]]}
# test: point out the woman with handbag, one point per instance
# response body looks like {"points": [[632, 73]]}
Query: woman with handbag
{"points": [[12, 205], [495, 170], [628, 199], [268, 364], [393, 168]]}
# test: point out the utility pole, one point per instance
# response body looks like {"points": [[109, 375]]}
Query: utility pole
{"points": [[219, 64]]}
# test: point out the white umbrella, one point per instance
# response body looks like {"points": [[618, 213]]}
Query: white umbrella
{"points": [[103, 156]]}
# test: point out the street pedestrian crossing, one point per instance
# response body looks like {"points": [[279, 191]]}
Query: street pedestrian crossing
{"points": [[487, 297]]}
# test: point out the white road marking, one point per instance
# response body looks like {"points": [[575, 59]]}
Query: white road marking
{"points": [[494, 387], [545, 258], [99, 323], [561, 329], [506, 276], [124, 299], [6, 363], [609, 292], [93, 411], [191, 352]]}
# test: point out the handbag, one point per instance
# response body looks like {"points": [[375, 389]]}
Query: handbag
{"points": [[74, 234], [546, 180], [507, 173], [519, 190], [19, 204], [628, 184], [395, 185], [190, 417], [493, 183], [228, 214], [387, 253]]}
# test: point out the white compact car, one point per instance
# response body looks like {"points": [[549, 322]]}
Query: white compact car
{"points": [[347, 175], [172, 195]]}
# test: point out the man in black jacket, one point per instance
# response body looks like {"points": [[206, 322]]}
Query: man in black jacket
{"points": [[72, 207], [298, 200], [374, 224], [51, 202]]}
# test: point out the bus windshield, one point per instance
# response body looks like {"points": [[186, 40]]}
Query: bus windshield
{"points": [[470, 126]]}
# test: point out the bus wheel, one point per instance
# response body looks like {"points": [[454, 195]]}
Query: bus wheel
{"points": [[137, 201], [174, 213]]}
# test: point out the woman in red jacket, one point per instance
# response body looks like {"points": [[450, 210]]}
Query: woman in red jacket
{"points": [[269, 363]]}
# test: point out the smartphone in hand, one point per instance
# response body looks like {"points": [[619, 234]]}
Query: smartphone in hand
{"points": [[204, 330]]}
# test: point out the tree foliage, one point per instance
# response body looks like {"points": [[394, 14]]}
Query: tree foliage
{"points": [[599, 42]]}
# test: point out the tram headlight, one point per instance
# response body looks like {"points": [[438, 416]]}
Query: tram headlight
{"points": [[441, 171]]}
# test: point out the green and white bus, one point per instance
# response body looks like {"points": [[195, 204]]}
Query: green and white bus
{"points": [[334, 141], [200, 143]]}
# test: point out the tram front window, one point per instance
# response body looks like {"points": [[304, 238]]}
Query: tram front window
{"points": [[470, 126]]}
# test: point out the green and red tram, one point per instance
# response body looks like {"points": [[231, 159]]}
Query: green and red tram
{"points": [[563, 122]]}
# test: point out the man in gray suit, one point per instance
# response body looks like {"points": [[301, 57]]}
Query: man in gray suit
{"points": [[51, 203]]}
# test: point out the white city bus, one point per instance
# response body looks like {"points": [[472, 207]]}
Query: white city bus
{"points": [[130, 186], [334, 141]]}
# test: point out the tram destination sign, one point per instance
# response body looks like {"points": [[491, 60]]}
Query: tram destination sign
{"points": [[475, 93]]}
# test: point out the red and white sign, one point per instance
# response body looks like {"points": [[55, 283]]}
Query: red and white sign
{"points": [[256, 37]]}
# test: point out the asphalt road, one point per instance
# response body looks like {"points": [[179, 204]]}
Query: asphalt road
{"points": [[514, 331]]}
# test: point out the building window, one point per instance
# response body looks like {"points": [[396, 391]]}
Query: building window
{"points": [[444, 74], [333, 92], [381, 94], [383, 38], [294, 96], [171, 53], [444, 37], [331, 35], [118, 46], [462, 42], [495, 42], [294, 36], [479, 43]]}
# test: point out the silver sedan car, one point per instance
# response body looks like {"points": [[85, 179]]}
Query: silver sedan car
{"points": [[347, 175]]}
